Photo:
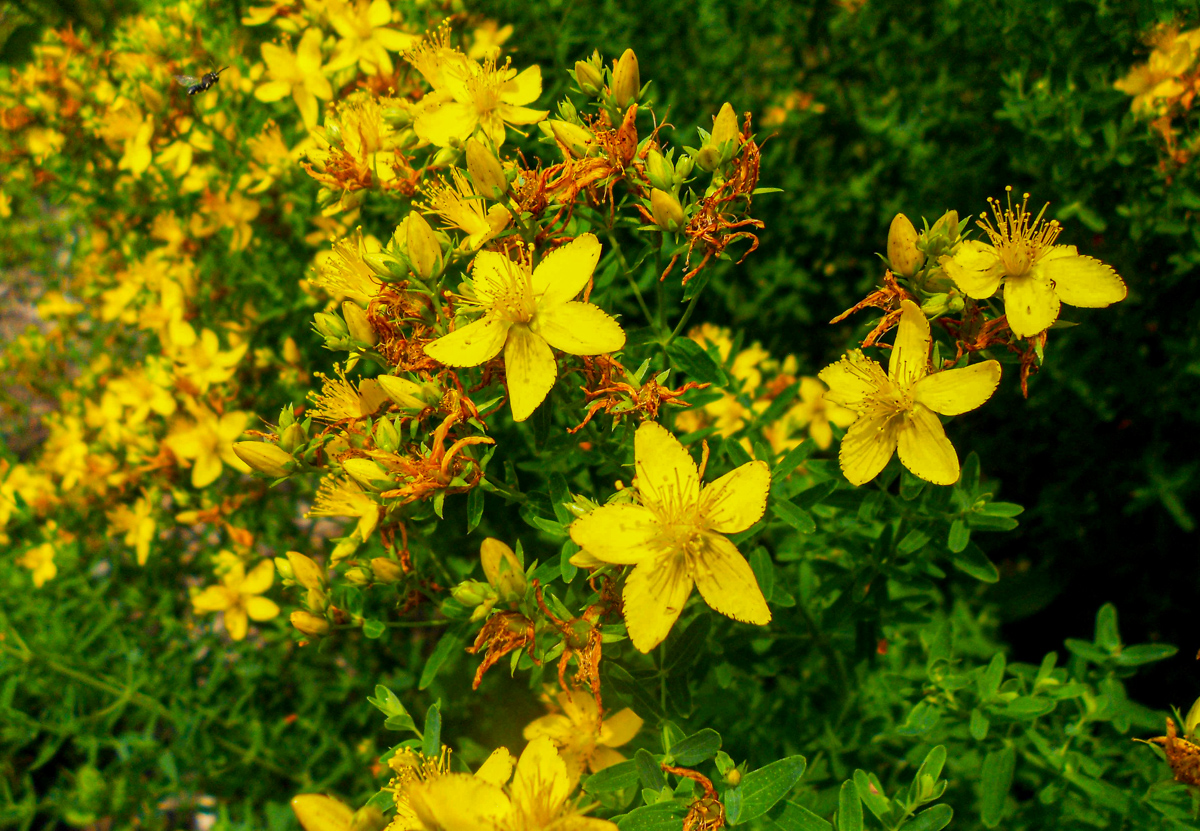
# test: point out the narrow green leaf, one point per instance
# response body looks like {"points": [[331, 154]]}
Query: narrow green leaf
{"points": [[798, 818], [960, 535], [931, 819], [995, 781], [696, 748], [431, 741], [792, 460], [474, 508], [1144, 653], [763, 788], [449, 643], [794, 516], [691, 358], [972, 561], [661, 816], [1107, 635], [849, 812], [764, 571]]}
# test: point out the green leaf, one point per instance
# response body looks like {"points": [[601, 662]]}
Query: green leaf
{"points": [[764, 571], [796, 517], [1107, 636], [960, 535], [691, 358], [616, 777], [762, 788], [995, 781], [931, 768], [431, 741], [798, 818], [696, 748], [792, 460], [387, 702], [685, 648], [870, 795], [446, 647], [972, 561], [661, 816], [1144, 653], [649, 771], [931, 819], [1027, 708], [474, 508], [849, 812], [373, 628], [988, 684], [565, 566], [979, 725]]}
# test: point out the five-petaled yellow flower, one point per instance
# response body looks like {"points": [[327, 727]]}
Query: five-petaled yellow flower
{"points": [[537, 800], [1037, 274], [238, 597], [583, 739], [526, 314], [677, 537], [296, 73], [899, 409]]}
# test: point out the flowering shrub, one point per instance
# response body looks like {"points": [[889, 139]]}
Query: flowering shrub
{"points": [[523, 454]]}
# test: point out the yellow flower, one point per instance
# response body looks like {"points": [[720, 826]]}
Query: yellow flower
{"points": [[296, 73], [467, 94], [138, 525], [677, 537], [344, 274], [366, 39], [816, 412], [207, 440], [1159, 79], [238, 597], [40, 561], [459, 206], [343, 497], [526, 314], [1037, 274], [339, 399], [582, 738], [199, 361], [899, 409]]}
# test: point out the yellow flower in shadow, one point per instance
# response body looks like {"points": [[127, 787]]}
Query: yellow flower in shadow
{"points": [[238, 596], [584, 740]]}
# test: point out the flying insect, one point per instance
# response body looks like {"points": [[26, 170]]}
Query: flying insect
{"points": [[197, 85]]}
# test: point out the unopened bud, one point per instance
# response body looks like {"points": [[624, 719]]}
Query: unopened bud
{"points": [[292, 437], [502, 568], [471, 593], [486, 171], [725, 129], [573, 139], [407, 394], [345, 548], [333, 329], [385, 265], [358, 576], [313, 626], [902, 247], [284, 569], [387, 437], [708, 158], [369, 474], [732, 777], [306, 571], [316, 600], [667, 212], [424, 250], [386, 570], [265, 458], [589, 77], [659, 171], [445, 157], [368, 818], [627, 81], [359, 324], [942, 238]]}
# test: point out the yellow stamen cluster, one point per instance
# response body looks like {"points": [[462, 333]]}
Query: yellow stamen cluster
{"points": [[1018, 240]]}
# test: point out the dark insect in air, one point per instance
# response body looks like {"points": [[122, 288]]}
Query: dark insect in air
{"points": [[196, 85]]}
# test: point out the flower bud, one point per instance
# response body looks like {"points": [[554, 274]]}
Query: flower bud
{"points": [[659, 171], [424, 250], [386, 570], [732, 777], [305, 570], [446, 157], [502, 568], [369, 474], [573, 139], [284, 569], [667, 212], [368, 818], [472, 592], [725, 128], [708, 158], [313, 626], [345, 548], [359, 325], [407, 394], [387, 437], [589, 77], [287, 416], [265, 458], [316, 600], [486, 171], [333, 329], [385, 265], [627, 81], [902, 251], [292, 437], [358, 576]]}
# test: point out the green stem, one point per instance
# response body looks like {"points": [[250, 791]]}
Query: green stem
{"points": [[637, 292], [687, 314]]}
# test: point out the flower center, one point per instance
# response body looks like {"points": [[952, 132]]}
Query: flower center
{"points": [[1019, 237]]}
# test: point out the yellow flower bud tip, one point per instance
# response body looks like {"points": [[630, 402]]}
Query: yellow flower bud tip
{"points": [[424, 250], [902, 251], [292, 437], [267, 459], [305, 570], [330, 327], [472, 592], [407, 394], [659, 170], [574, 139], [725, 128], [359, 324], [733, 777], [627, 81], [284, 568], [386, 570], [666, 210], [486, 171], [367, 473], [308, 624]]}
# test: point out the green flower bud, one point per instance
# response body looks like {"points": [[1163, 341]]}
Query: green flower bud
{"points": [[667, 212], [725, 130], [333, 329], [683, 168], [345, 548], [387, 437], [659, 170], [358, 576], [573, 139], [292, 437], [589, 77], [386, 265], [473, 592], [502, 568], [386, 570], [708, 158], [368, 818], [265, 458], [902, 251]]}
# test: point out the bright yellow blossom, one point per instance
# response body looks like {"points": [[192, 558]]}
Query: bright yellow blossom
{"points": [[1160, 79], [468, 94], [459, 206], [339, 399], [366, 38], [1037, 274], [816, 412], [584, 740], [40, 561], [238, 597], [137, 524], [676, 537], [486, 40], [343, 497], [199, 360], [526, 314], [899, 409], [343, 273], [207, 440], [296, 73]]}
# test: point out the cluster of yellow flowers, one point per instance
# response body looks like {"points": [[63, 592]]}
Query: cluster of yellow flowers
{"points": [[1164, 87]]}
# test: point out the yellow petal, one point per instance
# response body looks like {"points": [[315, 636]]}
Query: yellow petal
{"points": [[620, 728], [495, 278], [583, 559], [867, 447], [497, 768], [666, 474], [579, 329], [212, 599], [307, 102], [395, 41], [654, 595], [909, 360], [604, 757], [205, 470], [541, 779], [619, 534], [565, 271], [975, 268], [925, 450], [960, 390], [492, 553], [1030, 304], [261, 608], [236, 622], [259, 579], [272, 90], [379, 13], [318, 812], [554, 726], [492, 126], [524, 88], [451, 120], [458, 802], [727, 583], [519, 115], [530, 368], [854, 379], [1082, 281], [738, 499], [470, 345]]}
